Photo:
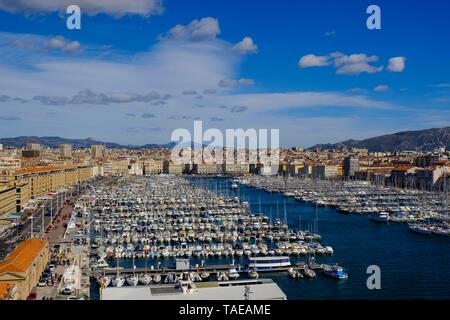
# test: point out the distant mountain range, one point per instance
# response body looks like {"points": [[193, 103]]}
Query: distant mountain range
{"points": [[54, 142], [423, 140]]}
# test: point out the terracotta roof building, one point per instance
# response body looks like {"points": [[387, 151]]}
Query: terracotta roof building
{"points": [[23, 266]]}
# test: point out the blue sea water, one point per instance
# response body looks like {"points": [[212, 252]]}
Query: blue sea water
{"points": [[412, 266]]}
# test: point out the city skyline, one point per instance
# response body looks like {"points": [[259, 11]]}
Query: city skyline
{"points": [[131, 75]]}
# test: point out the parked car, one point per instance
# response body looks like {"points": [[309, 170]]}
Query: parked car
{"points": [[42, 282], [32, 296], [74, 298], [52, 268], [66, 291]]}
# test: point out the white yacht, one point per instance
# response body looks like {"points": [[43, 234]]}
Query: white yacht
{"points": [[132, 280], [379, 216], [118, 281], [253, 274], [145, 279], [233, 274]]}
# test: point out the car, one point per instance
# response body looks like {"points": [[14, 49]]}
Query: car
{"points": [[42, 282], [52, 268], [74, 298], [66, 291], [32, 296]]}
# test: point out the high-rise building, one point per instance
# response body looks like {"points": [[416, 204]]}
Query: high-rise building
{"points": [[351, 165], [34, 146], [97, 151], [65, 151]]}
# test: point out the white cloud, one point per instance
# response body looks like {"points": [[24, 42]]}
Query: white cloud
{"points": [[441, 85], [311, 60], [381, 88], [396, 64], [204, 29], [189, 92], [226, 83], [357, 90], [330, 33], [287, 100], [51, 100], [168, 67], [355, 63], [238, 109], [116, 8], [246, 46], [59, 42], [345, 64]]}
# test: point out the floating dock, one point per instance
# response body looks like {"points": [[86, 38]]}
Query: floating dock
{"points": [[213, 269]]}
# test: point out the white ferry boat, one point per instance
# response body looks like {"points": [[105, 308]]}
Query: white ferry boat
{"points": [[268, 263], [379, 217]]}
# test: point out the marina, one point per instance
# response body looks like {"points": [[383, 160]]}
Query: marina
{"points": [[423, 209], [152, 267], [178, 238], [357, 243]]}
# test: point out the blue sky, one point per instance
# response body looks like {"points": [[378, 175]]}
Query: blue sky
{"points": [[311, 69]]}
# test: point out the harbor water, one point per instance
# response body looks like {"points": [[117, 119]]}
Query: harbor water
{"points": [[413, 266]]}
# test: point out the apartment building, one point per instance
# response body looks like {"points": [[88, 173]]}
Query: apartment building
{"points": [[22, 268], [7, 200], [153, 166]]}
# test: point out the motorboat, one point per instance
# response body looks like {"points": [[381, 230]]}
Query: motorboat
{"points": [[145, 279], [232, 274], [309, 273], [222, 276], [335, 271], [101, 263], [441, 231], [171, 277], [118, 281], [204, 275], [421, 229], [294, 274], [156, 278], [132, 280], [195, 277], [379, 216]]}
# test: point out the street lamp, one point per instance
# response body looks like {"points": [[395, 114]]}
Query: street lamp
{"points": [[43, 218], [32, 218]]}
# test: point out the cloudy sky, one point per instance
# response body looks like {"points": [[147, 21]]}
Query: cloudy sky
{"points": [[137, 70]]}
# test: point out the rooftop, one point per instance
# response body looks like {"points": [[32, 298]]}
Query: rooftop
{"points": [[263, 289], [4, 290], [22, 256]]}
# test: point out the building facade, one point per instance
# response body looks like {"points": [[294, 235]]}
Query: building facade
{"points": [[23, 266], [7, 200]]}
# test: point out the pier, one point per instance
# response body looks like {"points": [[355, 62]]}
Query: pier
{"points": [[212, 269]]}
